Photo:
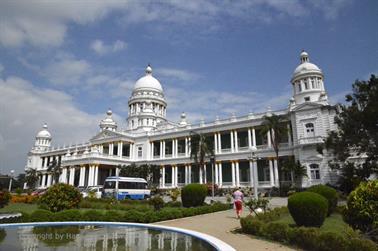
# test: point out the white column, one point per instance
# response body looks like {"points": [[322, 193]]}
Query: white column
{"points": [[186, 174], [271, 172], [233, 173], [64, 175], [200, 174], [276, 178], [216, 173], [237, 173], [95, 182], [251, 173], [289, 135], [269, 141], [255, 179], [81, 179], [43, 180], [163, 148], [152, 150], [90, 176], [173, 148], [236, 141], [72, 176], [204, 174], [163, 176], [249, 138], [190, 174], [220, 174], [120, 145], [173, 176], [219, 143], [215, 143], [111, 147], [131, 150], [232, 141], [253, 137], [48, 180], [186, 147], [176, 147]]}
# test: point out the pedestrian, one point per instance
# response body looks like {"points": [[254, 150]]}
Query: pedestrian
{"points": [[238, 201]]}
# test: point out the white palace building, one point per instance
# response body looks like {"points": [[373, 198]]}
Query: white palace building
{"points": [[151, 139]]}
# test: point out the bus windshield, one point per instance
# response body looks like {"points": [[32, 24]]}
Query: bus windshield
{"points": [[109, 185]]}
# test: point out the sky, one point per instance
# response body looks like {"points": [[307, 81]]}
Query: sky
{"points": [[65, 63]]}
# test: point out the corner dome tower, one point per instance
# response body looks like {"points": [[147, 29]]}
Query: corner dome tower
{"points": [[43, 139], [307, 81], [108, 123], [147, 105]]}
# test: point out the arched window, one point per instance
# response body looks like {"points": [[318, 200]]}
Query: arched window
{"points": [[315, 172], [310, 130]]}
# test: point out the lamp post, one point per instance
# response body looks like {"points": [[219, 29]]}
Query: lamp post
{"points": [[253, 167], [212, 160], [11, 178]]}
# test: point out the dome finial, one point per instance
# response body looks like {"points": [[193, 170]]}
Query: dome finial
{"points": [[304, 57], [149, 69], [44, 126], [109, 112]]}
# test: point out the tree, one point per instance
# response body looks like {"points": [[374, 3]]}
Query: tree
{"points": [[357, 135], [297, 171], [151, 173], [200, 148], [276, 125], [31, 177], [55, 170]]}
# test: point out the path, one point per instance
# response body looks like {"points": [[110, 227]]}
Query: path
{"points": [[220, 225]]}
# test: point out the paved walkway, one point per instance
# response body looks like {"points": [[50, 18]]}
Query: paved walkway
{"points": [[220, 225]]}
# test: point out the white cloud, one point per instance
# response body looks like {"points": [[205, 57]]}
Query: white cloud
{"points": [[100, 48], [45, 23], [1, 69], [179, 74], [24, 108]]}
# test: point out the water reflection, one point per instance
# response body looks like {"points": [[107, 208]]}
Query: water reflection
{"points": [[98, 238]]}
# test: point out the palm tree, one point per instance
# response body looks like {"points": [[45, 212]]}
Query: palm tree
{"points": [[55, 170], [277, 127], [297, 171], [200, 148], [31, 177]]}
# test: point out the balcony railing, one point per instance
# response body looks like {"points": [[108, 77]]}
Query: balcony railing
{"points": [[311, 140]]}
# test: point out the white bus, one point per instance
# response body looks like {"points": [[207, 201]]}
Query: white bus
{"points": [[126, 188]]}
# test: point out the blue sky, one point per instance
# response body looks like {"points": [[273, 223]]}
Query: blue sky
{"points": [[66, 62]]}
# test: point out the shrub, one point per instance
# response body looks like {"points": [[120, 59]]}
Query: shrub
{"points": [[133, 216], [4, 198], [193, 195], [157, 202], [362, 206], [174, 194], [277, 231], [327, 192], [330, 241], [18, 191], [308, 209], [306, 238], [272, 215], [24, 199], [251, 225], [113, 215], [68, 215], [60, 197], [173, 204], [361, 245], [41, 215], [93, 215]]}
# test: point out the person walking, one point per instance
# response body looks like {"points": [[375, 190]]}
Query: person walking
{"points": [[238, 201]]}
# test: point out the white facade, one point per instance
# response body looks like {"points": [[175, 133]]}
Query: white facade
{"points": [[151, 138]]}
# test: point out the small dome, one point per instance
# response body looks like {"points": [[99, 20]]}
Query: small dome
{"points": [[108, 122], [148, 82], [305, 66], [44, 133]]}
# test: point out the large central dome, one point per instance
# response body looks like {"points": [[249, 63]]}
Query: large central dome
{"points": [[148, 82]]}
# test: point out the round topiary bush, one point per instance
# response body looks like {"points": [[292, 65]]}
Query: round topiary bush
{"points": [[60, 197], [193, 195], [361, 211], [308, 209], [327, 192]]}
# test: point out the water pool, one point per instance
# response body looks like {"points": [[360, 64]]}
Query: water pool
{"points": [[104, 236]]}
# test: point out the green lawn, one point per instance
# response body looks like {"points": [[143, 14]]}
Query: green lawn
{"points": [[333, 223], [19, 208]]}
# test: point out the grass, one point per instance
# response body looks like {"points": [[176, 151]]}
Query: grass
{"points": [[333, 223], [19, 208]]}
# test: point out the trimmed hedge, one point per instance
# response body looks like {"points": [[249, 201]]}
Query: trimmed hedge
{"points": [[307, 238], [327, 192], [193, 195], [308, 209], [166, 213]]}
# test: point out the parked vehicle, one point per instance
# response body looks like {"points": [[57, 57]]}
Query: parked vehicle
{"points": [[96, 191], [126, 188], [39, 192]]}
